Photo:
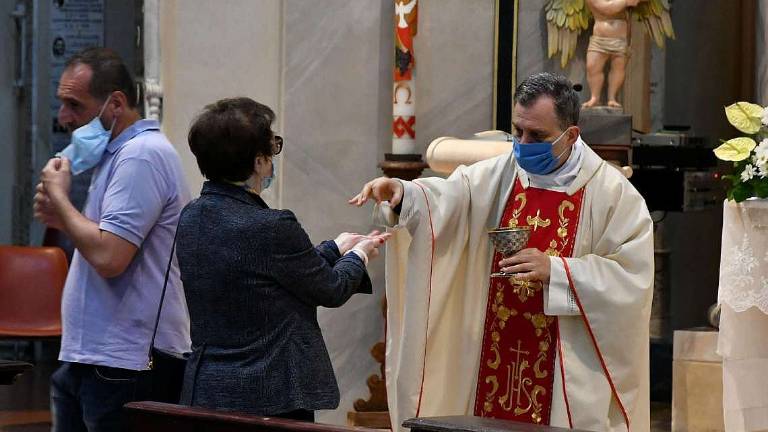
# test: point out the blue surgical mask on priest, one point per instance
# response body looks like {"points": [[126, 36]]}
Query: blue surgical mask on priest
{"points": [[542, 157]]}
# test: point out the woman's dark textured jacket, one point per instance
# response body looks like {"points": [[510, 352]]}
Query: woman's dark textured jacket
{"points": [[253, 282]]}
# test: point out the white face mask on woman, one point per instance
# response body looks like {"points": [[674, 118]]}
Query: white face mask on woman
{"points": [[266, 182]]}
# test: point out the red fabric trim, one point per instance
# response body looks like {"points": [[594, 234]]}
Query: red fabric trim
{"points": [[594, 342], [429, 298], [562, 375]]}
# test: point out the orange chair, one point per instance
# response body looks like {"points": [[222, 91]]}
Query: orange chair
{"points": [[31, 283]]}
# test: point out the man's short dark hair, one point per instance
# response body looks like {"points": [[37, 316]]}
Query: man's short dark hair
{"points": [[109, 73], [227, 137], [559, 88]]}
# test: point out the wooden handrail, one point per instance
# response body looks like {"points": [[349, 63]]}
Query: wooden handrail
{"points": [[157, 417]]}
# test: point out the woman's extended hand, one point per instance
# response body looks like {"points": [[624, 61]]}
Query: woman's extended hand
{"points": [[371, 243], [346, 241]]}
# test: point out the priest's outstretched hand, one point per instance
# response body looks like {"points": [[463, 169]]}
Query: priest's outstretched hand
{"points": [[528, 265], [380, 189]]}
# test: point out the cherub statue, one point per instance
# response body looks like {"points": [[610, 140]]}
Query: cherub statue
{"points": [[566, 19]]}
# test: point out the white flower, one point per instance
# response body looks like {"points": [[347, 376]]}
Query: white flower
{"points": [[762, 170], [760, 161], [765, 116], [749, 172], [761, 151]]}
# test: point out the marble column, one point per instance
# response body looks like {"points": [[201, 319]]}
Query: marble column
{"points": [[153, 89]]}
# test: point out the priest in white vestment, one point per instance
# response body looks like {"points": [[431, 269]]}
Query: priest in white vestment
{"points": [[451, 346]]}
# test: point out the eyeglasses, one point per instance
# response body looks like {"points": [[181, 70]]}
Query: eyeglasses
{"points": [[277, 144]]}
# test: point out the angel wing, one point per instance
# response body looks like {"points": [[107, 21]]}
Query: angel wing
{"points": [[566, 19], [654, 14]]}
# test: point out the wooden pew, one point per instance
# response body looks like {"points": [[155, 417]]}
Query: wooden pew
{"points": [[475, 424], [162, 417]]}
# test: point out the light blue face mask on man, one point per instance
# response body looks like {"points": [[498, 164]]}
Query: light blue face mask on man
{"points": [[88, 143], [537, 158]]}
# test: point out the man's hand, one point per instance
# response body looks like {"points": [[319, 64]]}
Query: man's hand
{"points": [[44, 210], [528, 265], [56, 179], [380, 189]]}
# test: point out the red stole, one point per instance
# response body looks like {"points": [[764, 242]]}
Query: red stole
{"points": [[517, 362]]}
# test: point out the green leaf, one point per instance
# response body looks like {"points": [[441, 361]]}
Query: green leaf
{"points": [[741, 192], [736, 149], [734, 179], [761, 188], [745, 116]]}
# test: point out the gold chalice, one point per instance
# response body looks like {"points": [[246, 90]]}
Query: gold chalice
{"points": [[509, 241]]}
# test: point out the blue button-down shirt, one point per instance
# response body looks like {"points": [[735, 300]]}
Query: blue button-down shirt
{"points": [[137, 192]]}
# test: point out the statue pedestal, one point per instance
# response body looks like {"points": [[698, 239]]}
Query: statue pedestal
{"points": [[605, 126], [697, 382], [609, 132]]}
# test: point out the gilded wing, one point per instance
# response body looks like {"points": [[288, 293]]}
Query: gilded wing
{"points": [[566, 19], [654, 14]]}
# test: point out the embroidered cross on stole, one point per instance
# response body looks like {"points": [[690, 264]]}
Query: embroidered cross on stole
{"points": [[517, 362]]}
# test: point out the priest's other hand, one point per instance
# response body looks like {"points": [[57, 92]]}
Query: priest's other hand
{"points": [[380, 189], [528, 265]]}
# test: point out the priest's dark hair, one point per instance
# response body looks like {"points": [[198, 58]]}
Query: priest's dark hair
{"points": [[109, 73], [558, 87], [227, 137]]}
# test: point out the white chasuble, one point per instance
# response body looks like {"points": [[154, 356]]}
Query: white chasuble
{"points": [[437, 276]]}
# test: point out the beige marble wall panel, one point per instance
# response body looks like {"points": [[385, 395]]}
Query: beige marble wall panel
{"points": [[211, 50], [454, 69], [337, 124]]}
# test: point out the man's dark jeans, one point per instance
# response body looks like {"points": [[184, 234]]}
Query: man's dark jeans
{"points": [[91, 398]]}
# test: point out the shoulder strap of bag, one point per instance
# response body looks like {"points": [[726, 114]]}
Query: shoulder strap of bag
{"points": [[162, 298]]}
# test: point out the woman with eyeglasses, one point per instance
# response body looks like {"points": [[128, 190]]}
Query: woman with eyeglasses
{"points": [[252, 278]]}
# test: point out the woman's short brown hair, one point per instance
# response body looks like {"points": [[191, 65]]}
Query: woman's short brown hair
{"points": [[228, 135]]}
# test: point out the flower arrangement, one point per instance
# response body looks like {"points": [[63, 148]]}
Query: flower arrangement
{"points": [[749, 154]]}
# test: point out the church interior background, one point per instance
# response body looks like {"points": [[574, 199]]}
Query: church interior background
{"points": [[326, 69]]}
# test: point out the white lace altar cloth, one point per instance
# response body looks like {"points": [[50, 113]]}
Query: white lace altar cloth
{"points": [[744, 256], [743, 296]]}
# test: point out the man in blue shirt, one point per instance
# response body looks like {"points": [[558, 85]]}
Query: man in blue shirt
{"points": [[123, 242]]}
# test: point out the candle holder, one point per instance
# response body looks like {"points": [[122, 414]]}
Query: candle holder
{"points": [[403, 166]]}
